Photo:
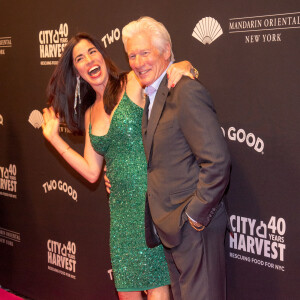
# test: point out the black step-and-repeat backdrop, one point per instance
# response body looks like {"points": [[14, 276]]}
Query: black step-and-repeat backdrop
{"points": [[54, 226]]}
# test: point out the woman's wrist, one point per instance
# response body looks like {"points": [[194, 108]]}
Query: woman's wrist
{"points": [[67, 148]]}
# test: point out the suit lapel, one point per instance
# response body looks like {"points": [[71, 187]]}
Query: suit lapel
{"points": [[156, 112]]}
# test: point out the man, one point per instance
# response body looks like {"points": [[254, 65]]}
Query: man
{"points": [[188, 166]]}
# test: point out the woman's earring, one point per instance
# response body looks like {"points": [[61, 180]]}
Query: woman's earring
{"points": [[77, 94]]}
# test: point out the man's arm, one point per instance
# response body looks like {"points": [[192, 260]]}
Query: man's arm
{"points": [[198, 122]]}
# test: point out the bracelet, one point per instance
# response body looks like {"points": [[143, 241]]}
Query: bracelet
{"points": [[194, 72], [195, 227], [65, 151]]}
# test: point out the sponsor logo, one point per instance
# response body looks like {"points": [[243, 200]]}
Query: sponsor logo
{"points": [[5, 42], [8, 181], [1, 120], [52, 44], [207, 30], [63, 128], [62, 258], [241, 136], [110, 273], [257, 242], [110, 38], [36, 119], [266, 28], [9, 237], [53, 185]]}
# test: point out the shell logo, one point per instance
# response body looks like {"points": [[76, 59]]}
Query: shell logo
{"points": [[207, 30], [36, 119]]}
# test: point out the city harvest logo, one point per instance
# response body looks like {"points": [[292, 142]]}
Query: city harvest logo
{"points": [[63, 257], [54, 185], [241, 136], [266, 28], [110, 38], [52, 44], [8, 181], [207, 30], [5, 42], [9, 237], [264, 242]]}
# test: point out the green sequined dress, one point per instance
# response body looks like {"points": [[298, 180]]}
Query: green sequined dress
{"points": [[135, 267]]}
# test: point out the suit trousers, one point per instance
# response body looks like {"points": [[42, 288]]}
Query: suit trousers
{"points": [[197, 264]]}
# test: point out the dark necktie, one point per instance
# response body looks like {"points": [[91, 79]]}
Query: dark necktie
{"points": [[147, 104]]}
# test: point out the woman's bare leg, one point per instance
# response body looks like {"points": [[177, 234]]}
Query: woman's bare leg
{"points": [[160, 293], [130, 295]]}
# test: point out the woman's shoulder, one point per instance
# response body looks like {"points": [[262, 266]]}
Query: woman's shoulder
{"points": [[132, 79], [87, 116], [133, 89], [133, 85]]}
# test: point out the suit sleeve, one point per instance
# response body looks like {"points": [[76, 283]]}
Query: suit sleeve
{"points": [[198, 122]]}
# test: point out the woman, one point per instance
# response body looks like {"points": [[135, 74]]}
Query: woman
{"points": [[112, 105]]}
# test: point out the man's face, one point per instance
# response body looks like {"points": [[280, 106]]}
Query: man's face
{"points": [[145, 60]]}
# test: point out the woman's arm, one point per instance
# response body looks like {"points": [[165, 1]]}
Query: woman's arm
{"points": [[175, 72], [89, 166]]}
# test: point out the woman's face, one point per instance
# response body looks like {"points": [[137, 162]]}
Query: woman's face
{"points": [[90, 65]]}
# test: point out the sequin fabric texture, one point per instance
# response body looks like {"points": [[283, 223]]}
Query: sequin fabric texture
{"points": [[135, 267]]}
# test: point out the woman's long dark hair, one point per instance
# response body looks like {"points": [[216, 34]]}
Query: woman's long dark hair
{"points": [[62, 84]]}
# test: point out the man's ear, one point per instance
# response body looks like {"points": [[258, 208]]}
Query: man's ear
{"points": [[167, 52]]}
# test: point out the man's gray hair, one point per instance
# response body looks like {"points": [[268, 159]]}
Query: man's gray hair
{"points": [[158, 33]]}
